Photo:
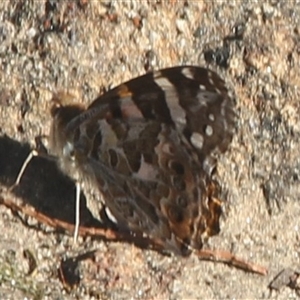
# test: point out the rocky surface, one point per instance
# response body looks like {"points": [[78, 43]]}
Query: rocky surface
{"points": [[86, 47]]}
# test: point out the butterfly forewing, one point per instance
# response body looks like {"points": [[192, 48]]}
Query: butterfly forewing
{"points": [[144, 144], [193, 99]]}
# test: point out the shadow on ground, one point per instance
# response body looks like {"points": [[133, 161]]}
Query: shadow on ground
{"points": [[43, 185]]}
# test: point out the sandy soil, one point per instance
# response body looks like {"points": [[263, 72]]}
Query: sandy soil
{"points": [[86, 47]]}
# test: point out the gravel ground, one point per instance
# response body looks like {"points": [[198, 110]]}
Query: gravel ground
{"points": [[86, 47]]}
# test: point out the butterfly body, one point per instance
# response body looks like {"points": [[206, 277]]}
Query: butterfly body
{"points": [[148, 146]]}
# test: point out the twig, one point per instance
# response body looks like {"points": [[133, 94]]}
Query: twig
{"points": [[109, 234]]}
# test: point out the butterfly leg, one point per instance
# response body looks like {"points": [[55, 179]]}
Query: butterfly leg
{"points": [[77, 213], [31, 155], [43, 153]]}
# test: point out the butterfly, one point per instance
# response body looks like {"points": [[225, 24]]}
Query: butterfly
{"points": [[148, 145]]}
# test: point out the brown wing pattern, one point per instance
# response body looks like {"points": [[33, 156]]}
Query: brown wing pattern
{"points": [[145, 143]]}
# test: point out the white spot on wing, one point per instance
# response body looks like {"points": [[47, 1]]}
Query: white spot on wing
{"points": [[210, 78], [181, 121], [197, 140], [146, 171], [208, 130], [218, 91], [110, 215], [205, 97], [187, 73], [172, 100], [211, 117], [163, 82], [129, 109]]}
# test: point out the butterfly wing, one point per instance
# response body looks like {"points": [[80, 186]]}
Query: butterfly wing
{"points": [[193, 100], [144, 144]]}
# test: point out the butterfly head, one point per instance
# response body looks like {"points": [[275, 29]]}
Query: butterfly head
{"points": [[63, 111]]}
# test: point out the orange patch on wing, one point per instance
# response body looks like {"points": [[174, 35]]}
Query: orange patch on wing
{"points": [[123, 91]]}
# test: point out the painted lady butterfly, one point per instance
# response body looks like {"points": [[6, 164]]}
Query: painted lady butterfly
{"points": [[148, 146]]}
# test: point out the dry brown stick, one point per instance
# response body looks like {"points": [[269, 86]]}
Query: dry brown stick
{"points": [[109, 234], [52, 222], [229, 258], [104, 233]]}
